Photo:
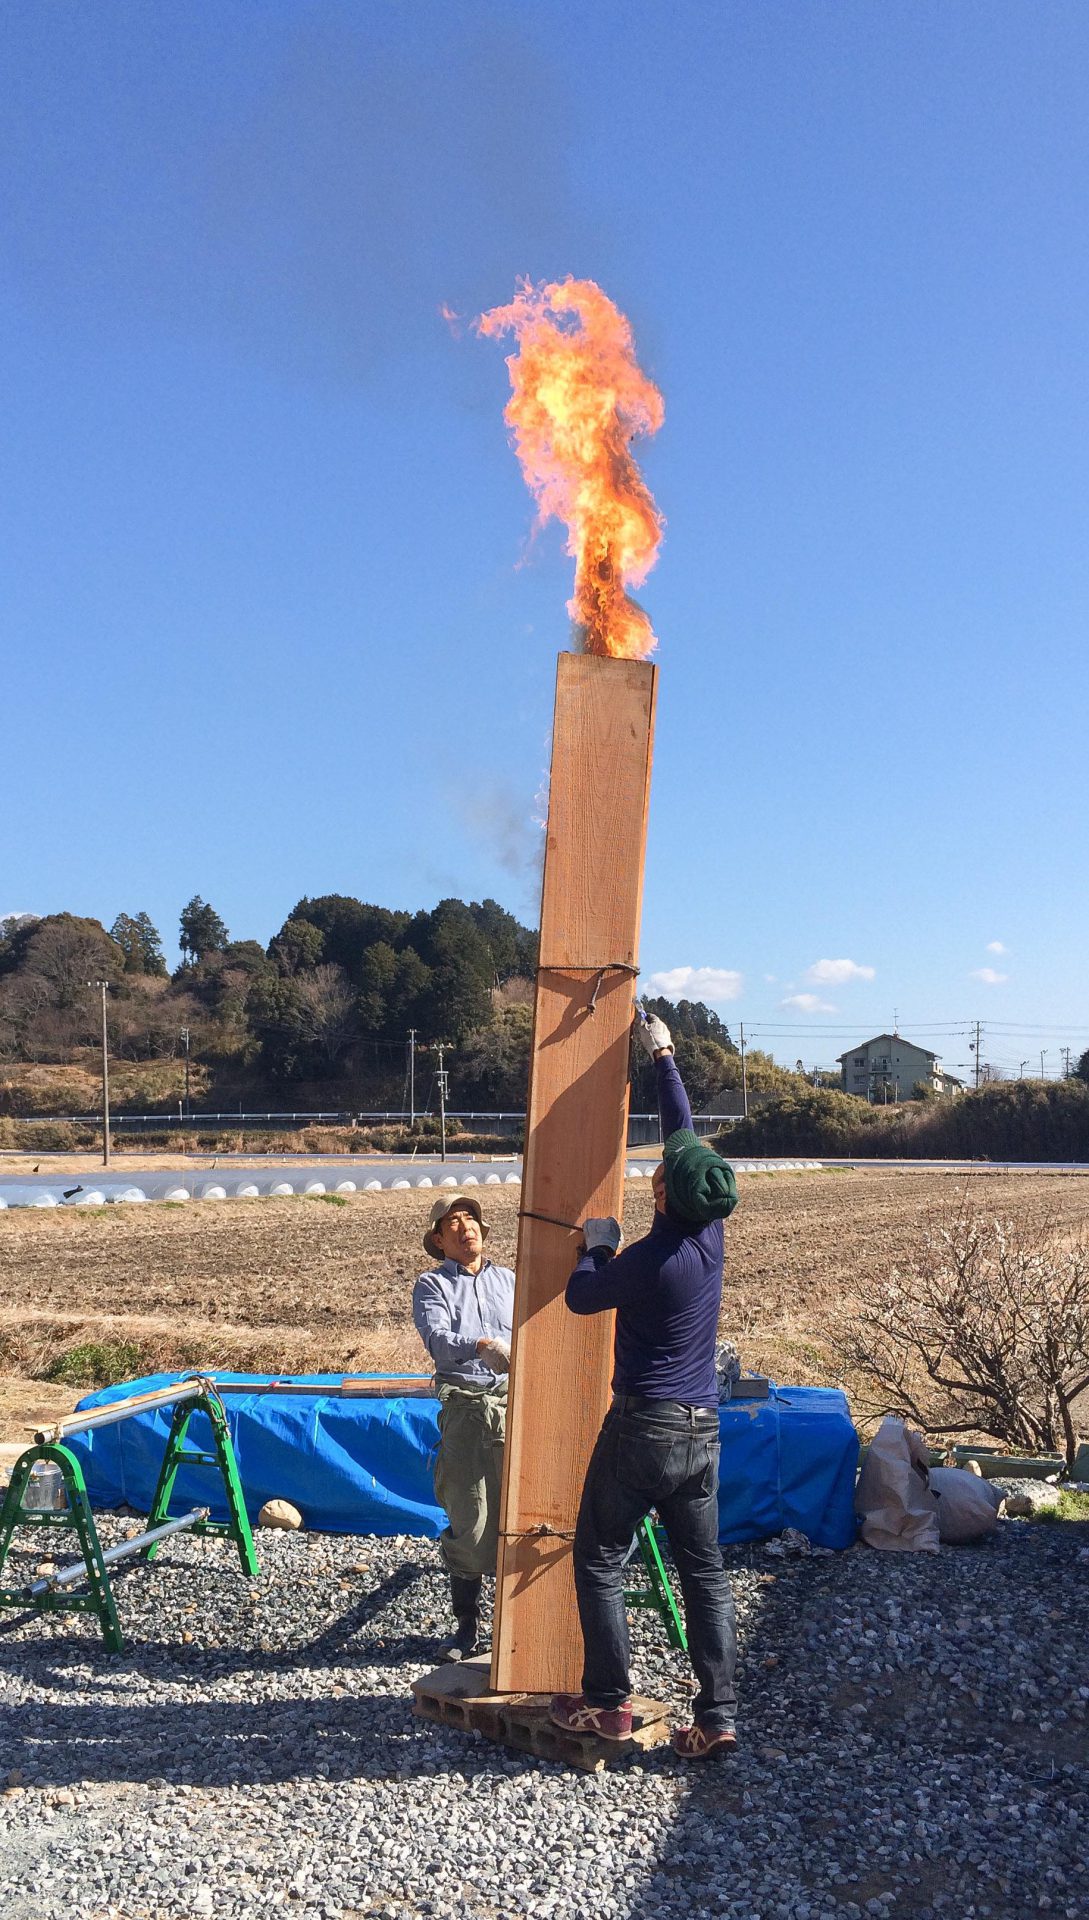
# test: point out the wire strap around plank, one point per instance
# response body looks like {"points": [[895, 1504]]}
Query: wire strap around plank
{"points": [[527, 1213], [610, 966]]}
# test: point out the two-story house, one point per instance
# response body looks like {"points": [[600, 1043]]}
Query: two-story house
{"points": [[888, 1067]]}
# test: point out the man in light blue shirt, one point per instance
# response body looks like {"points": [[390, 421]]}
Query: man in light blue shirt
{"points": [[463, 1308]]}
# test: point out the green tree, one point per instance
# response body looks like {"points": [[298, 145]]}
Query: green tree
{"points": [[297, 946], [67, 952], [305, 1025], [348, 927], [278, 1021], [201, 931], [513, 947], [1082, 1068], [247, 955], [394, 990], [48, 1008], [809, 1121], [450, 943], [493, 1062], [378, 970], [139, 941], [692, 1019], [15, 935]]}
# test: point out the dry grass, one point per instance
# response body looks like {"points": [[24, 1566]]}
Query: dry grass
{"points": [[48, 1087], [297, 1284]]}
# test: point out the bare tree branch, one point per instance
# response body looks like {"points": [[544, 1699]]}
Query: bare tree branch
{"points": [[985, 1330]]}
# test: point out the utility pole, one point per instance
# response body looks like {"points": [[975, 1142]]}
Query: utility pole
{"points": [[185, 1038], [975, 1049], [104, 987], [744, 1077], [412, 1077], [1043, 1055], [1021, 1070], [1065, 1051], [442, 1078]]}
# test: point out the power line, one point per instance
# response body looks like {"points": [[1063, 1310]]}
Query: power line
{"points": [[946, 1027]]}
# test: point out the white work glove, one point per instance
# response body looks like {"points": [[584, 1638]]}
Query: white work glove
{"points": [[602, 1233], [495, 1354], [653, 1033]]}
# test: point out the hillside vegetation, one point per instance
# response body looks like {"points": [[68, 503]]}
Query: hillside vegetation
{"points": [[319, 1021], [1011, 1120]]}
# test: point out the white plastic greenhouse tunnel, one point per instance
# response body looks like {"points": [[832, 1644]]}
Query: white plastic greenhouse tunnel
{"points": [[250, 1183]]}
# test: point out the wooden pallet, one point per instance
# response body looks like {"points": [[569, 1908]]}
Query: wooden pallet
{"points": [[459, 1695]]}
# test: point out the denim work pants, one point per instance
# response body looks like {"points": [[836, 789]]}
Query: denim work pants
{"points": [[468, 1473], [655, 1454]]}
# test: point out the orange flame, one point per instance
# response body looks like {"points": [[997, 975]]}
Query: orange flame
{"points": [[578, 398]]}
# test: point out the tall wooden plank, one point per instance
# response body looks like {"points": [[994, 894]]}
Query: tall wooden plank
{"points": [[576, 1137]]}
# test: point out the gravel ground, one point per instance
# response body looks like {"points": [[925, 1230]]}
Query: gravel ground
{"points": [[913, 1743]]}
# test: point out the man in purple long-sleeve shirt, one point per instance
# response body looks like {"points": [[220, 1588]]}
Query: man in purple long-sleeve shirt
{"points": [[659, 1446]]}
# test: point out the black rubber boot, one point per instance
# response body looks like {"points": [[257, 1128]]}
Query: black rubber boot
{"points": [[465, 1594]]}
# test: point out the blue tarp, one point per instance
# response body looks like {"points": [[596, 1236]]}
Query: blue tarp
{"points": [[365, 1465]]}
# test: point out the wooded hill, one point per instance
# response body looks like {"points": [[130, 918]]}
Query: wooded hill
{"points": [[320, 1018]]}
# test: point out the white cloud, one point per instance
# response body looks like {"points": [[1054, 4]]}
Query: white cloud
{"points": [[713, 984], [835, 973], [988, 976], [808, 1003], [995, 946]]}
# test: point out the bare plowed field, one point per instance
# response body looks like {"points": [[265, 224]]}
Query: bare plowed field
{"points": [[297, 1284]]}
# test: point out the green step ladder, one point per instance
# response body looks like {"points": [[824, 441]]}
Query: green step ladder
{"points": [[51, 1593], [657, 1591]]}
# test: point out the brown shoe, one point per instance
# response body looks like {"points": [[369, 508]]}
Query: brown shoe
{"points": [[573, 1712], [703, 1743]]}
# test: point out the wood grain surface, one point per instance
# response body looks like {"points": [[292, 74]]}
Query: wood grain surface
{"points": [[575, 1146]]}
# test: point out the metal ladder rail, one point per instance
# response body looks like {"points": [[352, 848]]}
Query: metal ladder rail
{"points": [[658, 1591], [112, 1556], [52, 1593]]}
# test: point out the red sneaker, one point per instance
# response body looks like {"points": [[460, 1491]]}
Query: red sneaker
{"points": [[573, 1712], [703, 1743]]}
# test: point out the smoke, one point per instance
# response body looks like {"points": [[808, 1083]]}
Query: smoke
{"points": [[511, 832]]}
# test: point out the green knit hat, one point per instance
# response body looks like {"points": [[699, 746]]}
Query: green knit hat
{"points": [[699, 1184]]}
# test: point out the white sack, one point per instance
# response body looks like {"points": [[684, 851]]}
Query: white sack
{"points": [[967, 1507], [893, 1499]]}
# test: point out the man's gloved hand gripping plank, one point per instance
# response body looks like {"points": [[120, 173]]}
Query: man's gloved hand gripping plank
{"points": [[659, 1445]]}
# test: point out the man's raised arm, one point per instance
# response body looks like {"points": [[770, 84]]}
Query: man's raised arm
{"points": [[656, 1039]]}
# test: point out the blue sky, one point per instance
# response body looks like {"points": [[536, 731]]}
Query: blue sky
{"points": [[271, 621]]}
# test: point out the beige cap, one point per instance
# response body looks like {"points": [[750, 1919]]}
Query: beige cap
{"points": [[439, 1212]]}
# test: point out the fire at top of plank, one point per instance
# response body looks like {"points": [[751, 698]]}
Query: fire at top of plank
{"points": [[578, 398]]}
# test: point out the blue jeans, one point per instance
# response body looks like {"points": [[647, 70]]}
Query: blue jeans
{"points": [[655, 1454]]}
